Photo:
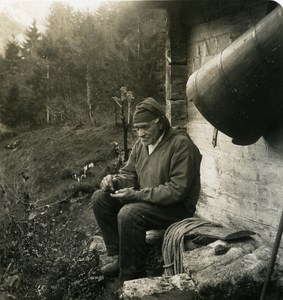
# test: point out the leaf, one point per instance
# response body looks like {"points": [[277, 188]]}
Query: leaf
{"points": [[32, 216]]}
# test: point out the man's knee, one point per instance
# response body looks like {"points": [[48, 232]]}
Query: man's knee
{"points": [[129, 213], [98, 197]]}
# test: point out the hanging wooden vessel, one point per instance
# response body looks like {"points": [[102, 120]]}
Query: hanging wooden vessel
{"points": [[239, 91]]}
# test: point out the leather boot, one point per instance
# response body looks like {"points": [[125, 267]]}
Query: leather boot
{"points": [[112, 269]]}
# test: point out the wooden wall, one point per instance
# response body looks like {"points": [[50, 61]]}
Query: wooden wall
{"points": [[242, 186]]}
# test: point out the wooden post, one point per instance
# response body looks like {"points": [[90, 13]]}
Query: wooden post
{"points": [[89, 95], [125, 127], [47, 92], [273, 257]]}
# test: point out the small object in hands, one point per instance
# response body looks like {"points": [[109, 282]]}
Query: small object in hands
{"points": [[109, 184]]}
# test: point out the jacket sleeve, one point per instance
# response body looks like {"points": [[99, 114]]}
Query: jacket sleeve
{"points": [[127, 176], [184, 167]]}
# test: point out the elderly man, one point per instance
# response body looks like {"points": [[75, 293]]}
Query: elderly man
{"points": [[159, 185]]}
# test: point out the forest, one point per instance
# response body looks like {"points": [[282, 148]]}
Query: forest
{"points": [[70, 72]]}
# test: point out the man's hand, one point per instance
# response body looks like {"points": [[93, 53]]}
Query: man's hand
{"points": [[108, 183], [125, 194]]}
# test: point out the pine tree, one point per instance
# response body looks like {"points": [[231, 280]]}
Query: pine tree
{"points": [[73, 69], [30, 45], [12, 56], [11, 112]]}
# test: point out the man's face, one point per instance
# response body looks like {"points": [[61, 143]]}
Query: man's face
{"points": [[148, 132]]}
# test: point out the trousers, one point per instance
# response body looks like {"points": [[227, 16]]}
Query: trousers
{"points": [[124, 226]]}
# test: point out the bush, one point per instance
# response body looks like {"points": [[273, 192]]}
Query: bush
{"points": [[50, 258]]}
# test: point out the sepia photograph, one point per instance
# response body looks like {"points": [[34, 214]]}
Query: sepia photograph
{"points": [[141, 149]]}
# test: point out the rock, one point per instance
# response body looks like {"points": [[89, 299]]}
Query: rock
{"points": [[221, 249], [97, 245], [236, 274], [179, 287], [233, 270]]}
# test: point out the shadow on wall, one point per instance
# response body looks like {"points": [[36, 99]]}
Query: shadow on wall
{"points": [[274, 136]]}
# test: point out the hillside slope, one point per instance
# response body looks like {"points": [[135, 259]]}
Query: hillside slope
{"points": [[50, 161]]}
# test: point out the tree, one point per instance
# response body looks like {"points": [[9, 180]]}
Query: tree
{"points": [[59, 58], [30, 45], [20, 93], [12, 56], [86, 45], [11, 115], [2, 82], [71, 71], [136, 51]]}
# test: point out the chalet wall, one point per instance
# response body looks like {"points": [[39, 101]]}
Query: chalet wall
{"points": [[241, 185]]}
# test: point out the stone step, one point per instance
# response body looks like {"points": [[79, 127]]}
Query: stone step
{"points": [[237, 273], [179, 287]]}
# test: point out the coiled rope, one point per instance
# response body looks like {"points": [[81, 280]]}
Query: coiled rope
{"points": [[173, 245]]}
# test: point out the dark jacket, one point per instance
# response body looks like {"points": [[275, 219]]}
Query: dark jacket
{"points": [[170, 175]]}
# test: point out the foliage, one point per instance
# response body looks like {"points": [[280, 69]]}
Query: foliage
{"points": [[70, 72], [12, 54], [49, 260], [30, 45], [12, 113], [46, 218]]}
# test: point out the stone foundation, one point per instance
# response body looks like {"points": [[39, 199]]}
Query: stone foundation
{"points": [[237, 273]]}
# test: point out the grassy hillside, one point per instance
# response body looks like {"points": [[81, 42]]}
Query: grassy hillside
{"points": [[49, 165], [47, 177]]}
